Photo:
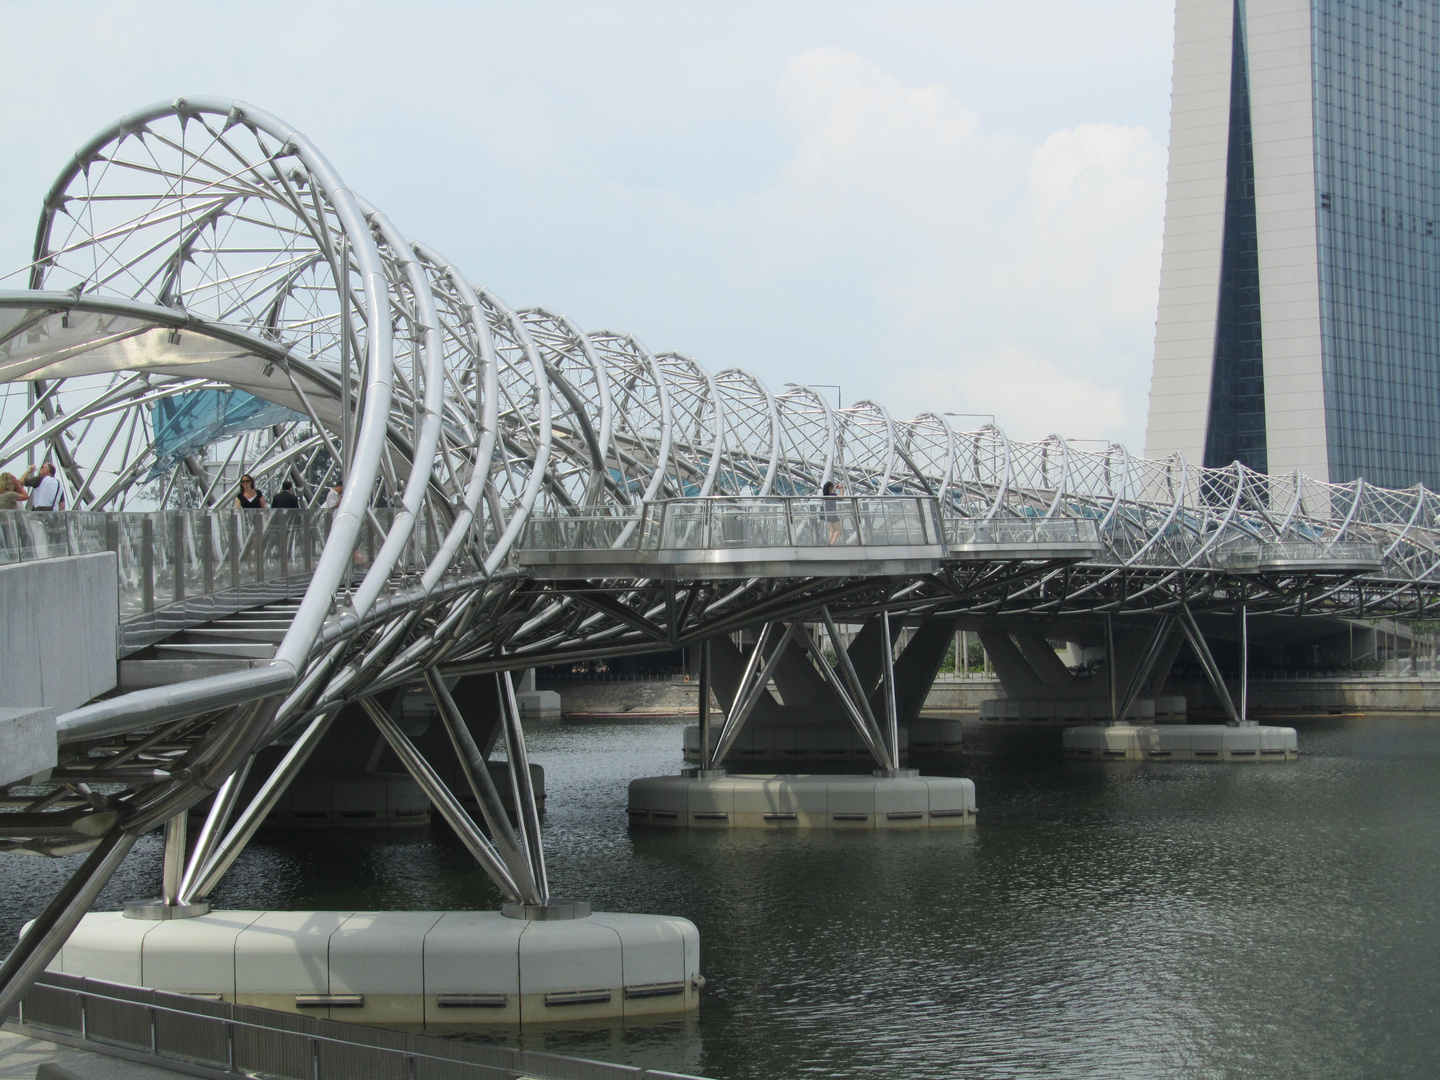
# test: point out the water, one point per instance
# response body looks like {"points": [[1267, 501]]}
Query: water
{"points": [[1104, 920]]}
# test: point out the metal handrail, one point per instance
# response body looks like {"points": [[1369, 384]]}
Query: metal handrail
{"points": [[168, 556], [963, 532], [756, 521], [199, 1035]]}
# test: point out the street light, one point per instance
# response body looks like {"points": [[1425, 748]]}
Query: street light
{"points": [[822, 385]]}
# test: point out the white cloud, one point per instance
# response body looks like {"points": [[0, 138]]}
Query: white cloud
{"points": [[953, 207], [1004, 278]]}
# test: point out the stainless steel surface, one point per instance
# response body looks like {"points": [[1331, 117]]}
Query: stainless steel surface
{"points": [[477, 774], [553, 908], [161, 909], [53, 926], [174, 862], [527, 811]]}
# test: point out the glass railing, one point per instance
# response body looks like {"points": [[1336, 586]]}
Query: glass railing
{"points": [[730, 522], [1278, 553], [169, 556], [1007, 532]]}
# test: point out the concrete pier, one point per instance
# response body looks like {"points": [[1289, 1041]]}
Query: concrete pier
{"points": [[1180, 742], [781, 801], [404, 967]]}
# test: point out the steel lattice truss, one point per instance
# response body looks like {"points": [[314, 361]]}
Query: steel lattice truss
{"points": [[204, 244]]}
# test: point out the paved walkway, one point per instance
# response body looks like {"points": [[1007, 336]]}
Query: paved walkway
{"points": [[20, 1056]]}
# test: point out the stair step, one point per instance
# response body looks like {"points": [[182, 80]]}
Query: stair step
{"points": [[255, 650]]}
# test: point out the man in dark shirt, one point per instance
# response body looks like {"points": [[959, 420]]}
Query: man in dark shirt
{"points": [[286, 500]]}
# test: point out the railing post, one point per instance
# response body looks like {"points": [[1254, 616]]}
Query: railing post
{"points": [[147, 561], [705, 704], [234, 549], [177, 552], [207, 556], [260, 549]]}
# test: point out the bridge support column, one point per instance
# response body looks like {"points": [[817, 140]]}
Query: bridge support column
{"points": [[1207, 662]]}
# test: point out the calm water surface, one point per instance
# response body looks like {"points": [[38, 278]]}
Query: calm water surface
{"points": [[1104, 920]]}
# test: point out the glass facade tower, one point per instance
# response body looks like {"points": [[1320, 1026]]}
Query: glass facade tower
{"points": [[1376, 142], [1299, 322]]}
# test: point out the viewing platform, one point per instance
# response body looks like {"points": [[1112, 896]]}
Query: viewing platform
{"points": [[1302, 557]]}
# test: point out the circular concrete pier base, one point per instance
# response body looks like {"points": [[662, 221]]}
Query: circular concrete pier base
{"points": [[437, 968], [781, 801], [1179, 742]]}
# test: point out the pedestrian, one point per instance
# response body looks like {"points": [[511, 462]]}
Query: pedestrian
{"points": [[332, 501], [286, 500], [45, 490], [12, 492], [832, 509], [250, 497]]}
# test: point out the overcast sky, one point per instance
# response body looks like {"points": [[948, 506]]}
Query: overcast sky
{"points": [[953, 205]]}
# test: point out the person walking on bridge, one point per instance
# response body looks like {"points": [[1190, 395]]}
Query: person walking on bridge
{"points": [[45, 490], [832, 509], [249, 497], [286, 500], [12, 492]]}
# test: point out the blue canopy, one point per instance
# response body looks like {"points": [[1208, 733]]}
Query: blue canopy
{"points": [[188, 422]]}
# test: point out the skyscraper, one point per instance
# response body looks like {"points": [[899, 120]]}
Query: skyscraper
{"points": [[1299, 319]]}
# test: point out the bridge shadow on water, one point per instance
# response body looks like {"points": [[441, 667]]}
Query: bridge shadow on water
{"points": [[1108, 920]]}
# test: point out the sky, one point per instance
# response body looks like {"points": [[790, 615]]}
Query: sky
{"points": [[939, 206]]}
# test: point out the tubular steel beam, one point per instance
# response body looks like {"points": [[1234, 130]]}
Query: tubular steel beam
{"points": [[477, 774], [443, 800], [53, 926], [1207, 661], [527, 812]]}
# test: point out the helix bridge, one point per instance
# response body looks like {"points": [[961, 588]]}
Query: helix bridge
{"points": [[209, 299]]}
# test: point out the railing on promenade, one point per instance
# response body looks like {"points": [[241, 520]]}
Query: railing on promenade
{"points": [[1010, 532], [220, 1040], [1300, 555], [179, 567], [732, 522]]}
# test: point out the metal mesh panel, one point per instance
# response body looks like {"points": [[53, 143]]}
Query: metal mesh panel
{"points": [[196, 1031], [366, 1036], [284, 1054], [427, 1068], [124, 1022], [500, 1057], [52, 1007], [347, 1061], [567, 1068]]}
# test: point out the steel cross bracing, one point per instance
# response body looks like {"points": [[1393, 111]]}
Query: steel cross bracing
{"points": [[204, 245]]}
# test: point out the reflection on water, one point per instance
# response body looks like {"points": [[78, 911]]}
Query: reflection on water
{"points": [[1105, 920]]}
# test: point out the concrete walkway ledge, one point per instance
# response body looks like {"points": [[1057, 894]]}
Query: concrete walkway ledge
{"points": [[784, 801], [1179, 742], [404, 967]]}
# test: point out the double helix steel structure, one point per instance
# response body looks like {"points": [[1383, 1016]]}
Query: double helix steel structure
{"points": [[209, 299]]}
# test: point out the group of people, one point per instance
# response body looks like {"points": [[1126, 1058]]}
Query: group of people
{"points": [[37, 489], [40, 489], [252, 498]]}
